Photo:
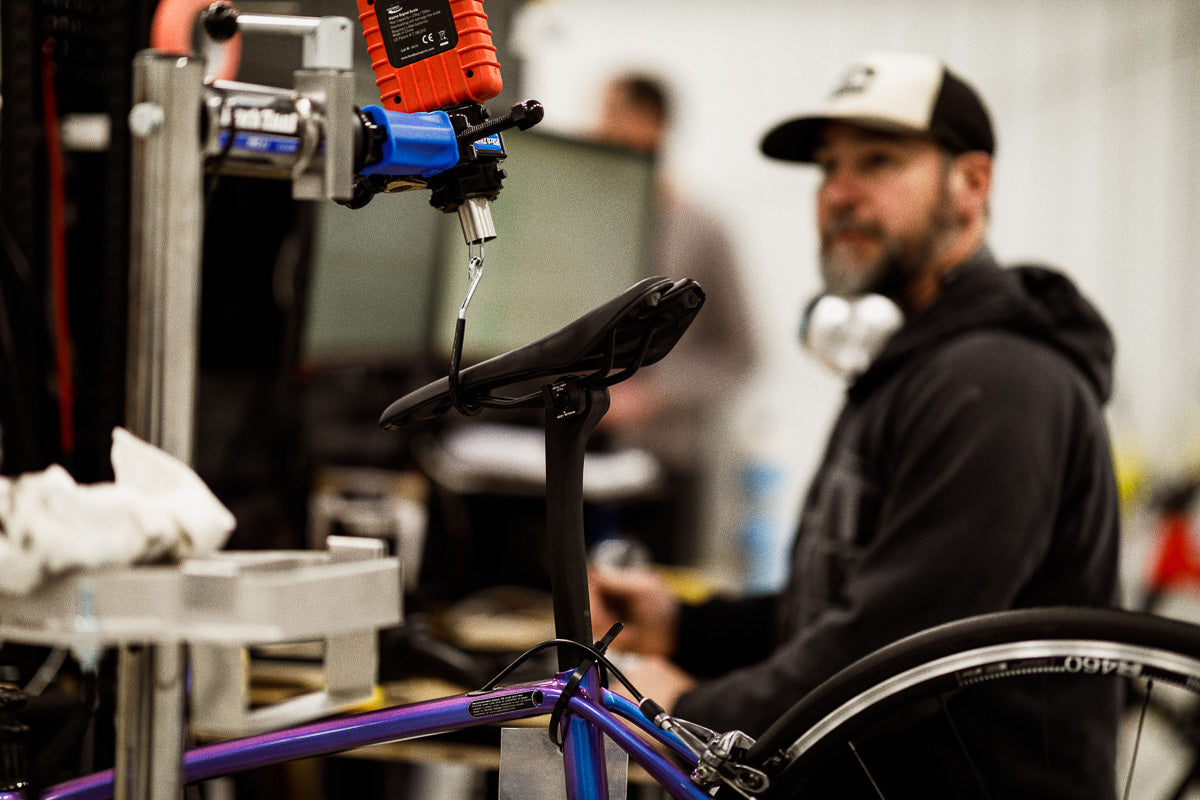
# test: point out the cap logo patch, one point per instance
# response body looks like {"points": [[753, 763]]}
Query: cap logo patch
{"points": [[855, 81]]}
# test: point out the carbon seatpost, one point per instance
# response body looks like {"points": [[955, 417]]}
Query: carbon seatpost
{"points": [[571, 414]]}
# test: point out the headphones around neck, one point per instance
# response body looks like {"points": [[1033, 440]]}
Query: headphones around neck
{"points": [[847, 333]]}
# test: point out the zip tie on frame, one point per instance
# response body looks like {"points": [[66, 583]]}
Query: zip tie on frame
{"points": [[594, 658]]}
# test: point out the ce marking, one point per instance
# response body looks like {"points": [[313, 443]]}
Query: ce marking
{"points": [[431, 38]]}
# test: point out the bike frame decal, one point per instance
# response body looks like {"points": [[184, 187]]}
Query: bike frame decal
{"points": [[504, 704]]}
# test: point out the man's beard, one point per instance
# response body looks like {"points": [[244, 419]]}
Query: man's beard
{"points": [[900, 261]]}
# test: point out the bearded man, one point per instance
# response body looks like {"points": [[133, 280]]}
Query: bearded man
{"points": [[969, 470]]}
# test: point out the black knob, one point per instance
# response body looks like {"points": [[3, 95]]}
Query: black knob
{"points": [[220, 21]]}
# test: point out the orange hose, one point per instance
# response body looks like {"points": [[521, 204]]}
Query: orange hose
{"points": [[171, 32]]}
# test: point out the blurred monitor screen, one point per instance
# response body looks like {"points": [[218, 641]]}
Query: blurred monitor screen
{"points": [[572, 224]]}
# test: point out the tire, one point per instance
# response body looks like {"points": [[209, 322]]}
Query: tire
{"points": [[887, 705]]}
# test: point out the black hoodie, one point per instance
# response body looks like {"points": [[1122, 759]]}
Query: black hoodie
{"points": [[969, 471]]}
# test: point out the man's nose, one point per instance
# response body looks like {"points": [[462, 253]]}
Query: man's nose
{"points": [[841, 189]]}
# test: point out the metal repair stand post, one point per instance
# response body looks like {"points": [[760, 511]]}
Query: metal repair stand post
{"points": [[170, 99], [164, 303]]}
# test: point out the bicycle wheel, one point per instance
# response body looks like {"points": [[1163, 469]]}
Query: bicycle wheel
{"points": [[954, 712]]}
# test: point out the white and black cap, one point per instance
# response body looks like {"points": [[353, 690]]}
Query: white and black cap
{"points": [[906, 93]]}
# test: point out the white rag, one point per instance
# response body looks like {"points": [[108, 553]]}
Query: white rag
{"points": [[156, 508]]}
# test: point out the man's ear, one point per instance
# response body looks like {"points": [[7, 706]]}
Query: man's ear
{"points": [[970, 182]]}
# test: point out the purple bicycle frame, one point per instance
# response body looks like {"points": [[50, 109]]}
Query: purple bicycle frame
{"points": [[585, 774]]}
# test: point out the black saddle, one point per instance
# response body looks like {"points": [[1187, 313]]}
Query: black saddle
{"points": [[601, 348]]}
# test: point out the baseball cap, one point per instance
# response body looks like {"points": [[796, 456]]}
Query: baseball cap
{"points": [[905, 93]]}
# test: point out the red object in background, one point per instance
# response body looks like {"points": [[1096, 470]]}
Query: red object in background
{"points": [[430, 54], [56, 180], [171, 32], [1175, 560]]}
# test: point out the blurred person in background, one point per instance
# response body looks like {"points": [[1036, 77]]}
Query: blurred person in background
{"points": [[677, 410]]}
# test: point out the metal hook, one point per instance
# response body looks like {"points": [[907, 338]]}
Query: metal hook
{"points": [[474, 273]]}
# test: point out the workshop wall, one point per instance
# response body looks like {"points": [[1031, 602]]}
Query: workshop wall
{"points": [[1097, 108]]}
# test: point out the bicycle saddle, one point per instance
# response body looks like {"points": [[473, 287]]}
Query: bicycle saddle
{"points": [[608, 343]]}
